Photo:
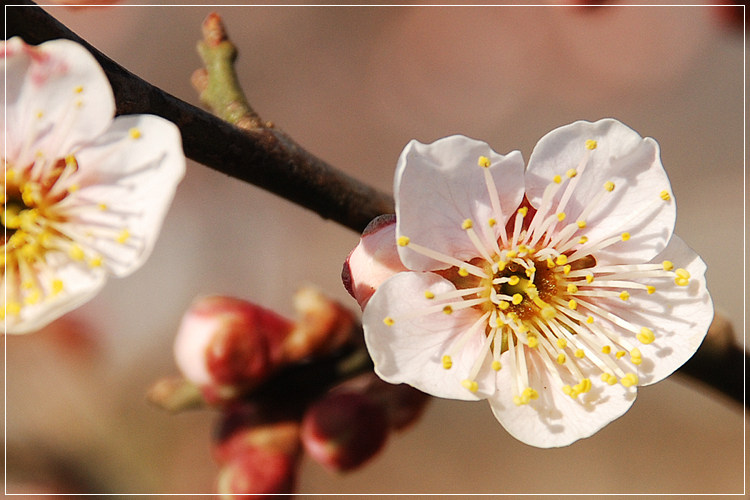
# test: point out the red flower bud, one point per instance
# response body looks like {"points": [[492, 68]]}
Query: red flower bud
{"points": [[343, 430], [226, 345]]}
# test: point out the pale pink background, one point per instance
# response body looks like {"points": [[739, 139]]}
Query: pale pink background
{"points": [[354, 85]]}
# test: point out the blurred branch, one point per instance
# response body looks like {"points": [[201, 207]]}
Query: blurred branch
{"points": [[720, 361], [264, 157]]}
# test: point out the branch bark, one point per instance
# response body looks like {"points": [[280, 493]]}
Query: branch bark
{"points": [[264, 157]]}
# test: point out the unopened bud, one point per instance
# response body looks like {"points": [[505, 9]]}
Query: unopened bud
{"points": [[343, 430], [225, 345], [257, 456]]}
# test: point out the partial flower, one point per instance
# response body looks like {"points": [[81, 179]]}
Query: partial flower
{"points": [[84, 193], [551, 291]]}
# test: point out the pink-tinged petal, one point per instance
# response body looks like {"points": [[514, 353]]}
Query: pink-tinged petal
{"points": [[679, 316], [555, 419], [373, 260], [58, 99], [130, 172], [77, 284], [641, 202], [438, 186], [411, 349]]}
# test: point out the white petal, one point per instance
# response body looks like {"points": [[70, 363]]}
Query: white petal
{"points": [[679, 316], [58, 99], [411, 350], [373, 260], [555, 419], [437, 186], [136, 179], [80, 284], [623, 157]]}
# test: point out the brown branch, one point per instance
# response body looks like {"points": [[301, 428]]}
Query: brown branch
{"points": [[264, 157]]}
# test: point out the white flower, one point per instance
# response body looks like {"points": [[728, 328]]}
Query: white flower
{"points": [[551, 292], [84, 194]]}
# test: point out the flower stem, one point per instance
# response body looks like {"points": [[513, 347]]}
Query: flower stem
{"points": [[263, 156]]}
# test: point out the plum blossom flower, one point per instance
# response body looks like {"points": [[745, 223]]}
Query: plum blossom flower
{"points": [[552, 292], [84, 194]]}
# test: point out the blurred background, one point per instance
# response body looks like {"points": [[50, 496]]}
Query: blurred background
{"points": [[353, 85]]}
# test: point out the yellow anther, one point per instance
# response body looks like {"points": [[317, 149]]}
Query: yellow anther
{"points": [[501, 265], [572, 304], [123, 236], [664, 195], [429, 295], [13, 308], [512, 254], [134, 133], [646, 336], [78, 89], [484, 162], [548, 312], [561, 358], [513, 280], [403, 241], [448, 309], [388, 321], [57, 286], [557, 179], [561, 259], [471, 385], [629, 380], [463, 272], [523, 211], [667, 265], [533, 342], [572, 288], [566, 268], [496, 365], [606, 349], [591, 144], [589, 278], [620, 354], [650, 289], [103, 207], [625, 236], [528, 394], [567, 390], [467, 224], [624, 295], [562, 343], [96, 261], [609, 378], [447, 362], [635, 356], [550, 262], [682, 277], [571, 173], [39, 114], [517, 298], [76, 252], [503, 305], [73, 188], [530, 271], [561, 216], [580, 354], [609, 186], [492, 222]]}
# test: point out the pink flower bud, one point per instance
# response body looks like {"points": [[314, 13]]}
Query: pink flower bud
{"points": [[343, 430], [225, 345], [373, 260]]}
